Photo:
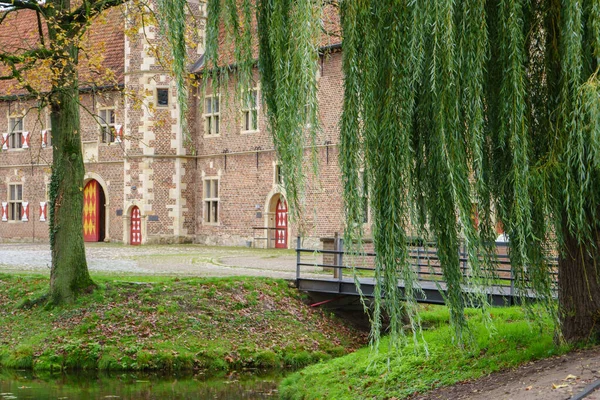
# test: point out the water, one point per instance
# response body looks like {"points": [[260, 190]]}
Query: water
{"points": [[84, 386]]}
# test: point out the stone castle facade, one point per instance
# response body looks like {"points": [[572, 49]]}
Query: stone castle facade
{"points": [[148, 182]]}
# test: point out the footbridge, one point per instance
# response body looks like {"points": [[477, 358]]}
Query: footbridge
{"points": [[330, 273]]}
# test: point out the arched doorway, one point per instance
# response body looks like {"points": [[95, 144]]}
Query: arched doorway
{"points": [[135, 227], [94, 212], [281, 224]]}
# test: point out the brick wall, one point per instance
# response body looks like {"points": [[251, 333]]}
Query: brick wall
{"points": [[245, 166], [31, 166], [161, 171]]}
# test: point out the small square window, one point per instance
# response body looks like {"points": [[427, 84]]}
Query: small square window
{"points": [[162, 97]]}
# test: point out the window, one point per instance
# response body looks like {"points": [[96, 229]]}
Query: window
{"points": [[15, 132], [15, 200], [278, 175], [211, 115], [211, 201], [47, 132], [107, 125], [162, 97], [250, 111]]}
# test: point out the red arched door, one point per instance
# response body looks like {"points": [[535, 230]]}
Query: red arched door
{"points": [[135, 228], [91, 211], [281, 225]]}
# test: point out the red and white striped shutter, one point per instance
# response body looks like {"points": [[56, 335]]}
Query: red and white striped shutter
{"points": [[25, 140], [25, 216], [43, 208], [5, 141], [45, 138], [4, 211], [118, 133]]}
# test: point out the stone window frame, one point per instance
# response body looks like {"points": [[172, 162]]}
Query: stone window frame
{"points": [[210, 201], [106, 127], [168, 96], [210, 118], [15, 205], [278, 178], [12, 133], [248, 111]]}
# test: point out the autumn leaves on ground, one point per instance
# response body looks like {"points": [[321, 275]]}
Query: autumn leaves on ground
{"points": [[168, 324]]}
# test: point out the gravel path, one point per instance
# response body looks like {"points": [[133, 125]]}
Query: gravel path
{"points": [[185, 260]]}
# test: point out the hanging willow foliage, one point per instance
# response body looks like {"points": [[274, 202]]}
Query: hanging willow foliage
{"points": [[172, 26], [463, 116]]}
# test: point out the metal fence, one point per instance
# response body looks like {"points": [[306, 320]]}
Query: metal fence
{"points": [[340, 264]]}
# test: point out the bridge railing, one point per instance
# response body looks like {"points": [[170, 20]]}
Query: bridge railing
{"points": [[424, 260]]}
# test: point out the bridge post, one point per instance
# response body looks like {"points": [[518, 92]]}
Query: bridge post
{"points": [[298, 246], [339, 246]]}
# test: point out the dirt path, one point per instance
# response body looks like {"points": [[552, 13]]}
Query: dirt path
{"points": [[556, 378]]}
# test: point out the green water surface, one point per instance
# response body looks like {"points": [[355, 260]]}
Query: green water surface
{"points": [[85, 386]]}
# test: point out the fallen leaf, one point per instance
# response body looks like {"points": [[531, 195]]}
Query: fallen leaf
{"points": [[555, 386], [570, 377]]}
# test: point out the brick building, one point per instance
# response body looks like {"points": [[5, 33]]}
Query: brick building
{"points": [[146, 181]]}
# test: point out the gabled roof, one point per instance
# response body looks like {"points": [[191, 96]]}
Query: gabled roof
{"points": [[331, 38], [101, 62]]}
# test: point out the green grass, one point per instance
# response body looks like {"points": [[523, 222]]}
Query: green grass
{"points": [[168, 324], [366, 375]]}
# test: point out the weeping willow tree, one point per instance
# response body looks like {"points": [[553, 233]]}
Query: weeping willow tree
{"points": [[452, 108], [48, 70]]}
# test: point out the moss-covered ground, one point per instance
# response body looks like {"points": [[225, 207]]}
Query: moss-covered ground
{"points": [[168, 324], [396, 374]]}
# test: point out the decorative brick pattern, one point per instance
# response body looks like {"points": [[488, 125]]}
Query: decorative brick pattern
{"points": [[155, 168]]}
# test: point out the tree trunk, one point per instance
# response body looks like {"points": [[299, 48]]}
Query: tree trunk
{"points": [[69, 275], [579, 291]]}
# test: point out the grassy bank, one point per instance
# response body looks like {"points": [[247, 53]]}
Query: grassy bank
{"points": [[167, 324], [365, 375]]}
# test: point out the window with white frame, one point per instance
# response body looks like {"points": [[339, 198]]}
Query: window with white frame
{"points": [[15, 132], [250, 111], [15, 202], [106, 118], [211, 201], [211, 115], [278, 175]]}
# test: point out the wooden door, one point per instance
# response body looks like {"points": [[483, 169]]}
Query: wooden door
{"points": [[91, 211], [135, 229], [281, 225]]}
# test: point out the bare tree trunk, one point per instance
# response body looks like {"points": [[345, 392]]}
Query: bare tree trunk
{"points": [[69, 275], [579, 290]]}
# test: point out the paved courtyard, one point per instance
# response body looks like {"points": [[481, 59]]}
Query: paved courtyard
{"points": [[184, 260]]}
